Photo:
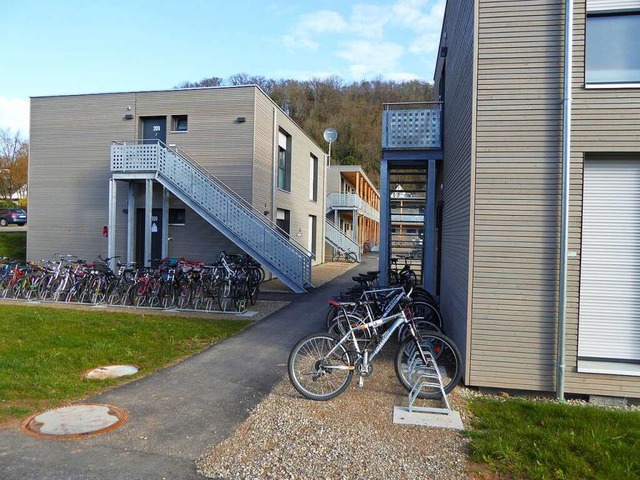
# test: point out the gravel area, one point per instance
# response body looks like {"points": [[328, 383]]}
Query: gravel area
{"points": [[350, 436]]}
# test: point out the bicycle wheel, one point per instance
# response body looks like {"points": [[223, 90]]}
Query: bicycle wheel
{"points": [[351, 257], [437, 346], [167, 295], [225, 299], [336, 256], [314, 372], [184, 296], [426, 311]]}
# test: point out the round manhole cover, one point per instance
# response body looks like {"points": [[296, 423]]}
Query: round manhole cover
{"points": [[111, 371], [75, 421]]}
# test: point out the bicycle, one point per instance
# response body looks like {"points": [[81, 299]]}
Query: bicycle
{"points": [[340, 252], [322, 365]]}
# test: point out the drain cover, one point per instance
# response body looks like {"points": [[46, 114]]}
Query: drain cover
{"points": [[75, 421], [111, 371]]}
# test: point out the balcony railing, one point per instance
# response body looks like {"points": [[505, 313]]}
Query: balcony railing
{"points": [[415, 125], [351, 200]]}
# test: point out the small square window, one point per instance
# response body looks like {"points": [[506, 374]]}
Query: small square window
{"points": [[179, 123], [177, 216]]}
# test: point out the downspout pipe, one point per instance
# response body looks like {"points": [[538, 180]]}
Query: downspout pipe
{"points": [[566, 163]]}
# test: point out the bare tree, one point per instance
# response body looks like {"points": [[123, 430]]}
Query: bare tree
{"points": [[14, 161]]}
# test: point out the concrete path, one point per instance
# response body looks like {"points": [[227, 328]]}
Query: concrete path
{"points": [[180, 413]]}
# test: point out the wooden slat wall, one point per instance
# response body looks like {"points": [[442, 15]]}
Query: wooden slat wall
{"points": [[606, 123], [70, 141], [517, 194], [297, 201], [518, 185], [456, 174], [70, 153]]}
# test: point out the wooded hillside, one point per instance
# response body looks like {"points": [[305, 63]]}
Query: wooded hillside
{"points": [[353, 109]]}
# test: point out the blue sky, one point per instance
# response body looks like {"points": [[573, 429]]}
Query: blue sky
{"points": [[93, 46]]}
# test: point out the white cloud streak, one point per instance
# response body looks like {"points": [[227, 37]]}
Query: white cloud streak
{"points": [[364, 38], [14, 115]]}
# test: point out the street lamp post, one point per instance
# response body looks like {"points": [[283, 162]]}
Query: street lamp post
{"points": [[330, 135]]}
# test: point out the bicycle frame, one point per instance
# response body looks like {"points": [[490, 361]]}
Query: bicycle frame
{"points": [[398, 319]]}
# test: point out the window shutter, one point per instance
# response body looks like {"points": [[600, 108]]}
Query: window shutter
{"points": [[602, 6], [609, 322]]}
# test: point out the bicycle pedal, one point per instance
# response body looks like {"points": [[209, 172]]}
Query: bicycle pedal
{"points": [[361, 382]]}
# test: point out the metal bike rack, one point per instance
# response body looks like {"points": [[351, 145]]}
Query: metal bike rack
{"points": [[425, 376]]}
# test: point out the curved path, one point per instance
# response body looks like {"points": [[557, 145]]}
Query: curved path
{"points": [[178, 414]]}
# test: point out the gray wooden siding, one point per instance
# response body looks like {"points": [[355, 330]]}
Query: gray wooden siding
{"points": [[214, 138], [69, 171], [69, 166], [606, 123], [297, 201], [456, 174], [263, 166], [517, 194]]}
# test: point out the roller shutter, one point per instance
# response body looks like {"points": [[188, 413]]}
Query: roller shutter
{"points": [[609, 322]]}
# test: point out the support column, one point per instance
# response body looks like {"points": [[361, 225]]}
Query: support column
{"points": [[383, 259], [148, 210], [111, 223], [165, 222], [429, 252], [131, 223], [354, 222]]}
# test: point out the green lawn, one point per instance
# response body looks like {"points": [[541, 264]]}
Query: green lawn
{"points": [[544, 440], [13, 245], [45, 351]]}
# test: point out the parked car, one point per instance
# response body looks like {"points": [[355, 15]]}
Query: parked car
{"points": [[12, 215]]}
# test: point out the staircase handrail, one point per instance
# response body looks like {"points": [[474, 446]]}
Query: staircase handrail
{"points": [[266, 221], [346, 243]]}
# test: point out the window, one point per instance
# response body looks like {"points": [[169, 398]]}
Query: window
{"points": [[284, 161], [313, 178], [179, 123], [283, 220], [177, 216], [612, 46]]}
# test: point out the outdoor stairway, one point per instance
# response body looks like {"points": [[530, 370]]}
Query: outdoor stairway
{"points": [[229, 213], [334, 237]]}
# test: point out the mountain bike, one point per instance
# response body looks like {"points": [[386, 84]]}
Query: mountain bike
{"points": [[340, 252], [321, 365]]}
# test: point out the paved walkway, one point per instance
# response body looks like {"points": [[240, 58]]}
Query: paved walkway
{"points": [[179, 413]]}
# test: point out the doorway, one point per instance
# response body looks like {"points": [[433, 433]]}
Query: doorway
{"points": [[156, 235], [154, 129]]}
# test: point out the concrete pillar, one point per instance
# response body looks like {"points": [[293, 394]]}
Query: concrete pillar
{"points": [[131, 223], [111, 222], [148, 210]]}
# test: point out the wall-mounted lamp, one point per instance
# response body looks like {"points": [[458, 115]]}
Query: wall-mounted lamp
{"points": [[299, 234], [128, 115], [443, 51], [241, 119]]}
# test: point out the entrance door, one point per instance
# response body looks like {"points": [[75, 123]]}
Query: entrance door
{"points": [[156, 235], [154, 129]]}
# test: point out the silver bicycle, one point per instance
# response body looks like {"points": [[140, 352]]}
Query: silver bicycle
{"points": [[322, 365]]}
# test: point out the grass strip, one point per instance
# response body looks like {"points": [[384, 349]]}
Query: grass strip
{"points": [[544, 440], [13, 245], [45, 351]]}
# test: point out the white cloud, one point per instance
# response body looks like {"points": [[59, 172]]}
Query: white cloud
{"points": [[376, 40], [14, 115], [311, 25], [369, 59], [369, 21]]}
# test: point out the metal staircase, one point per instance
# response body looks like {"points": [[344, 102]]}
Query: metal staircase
{"points": [[337, 239], [220, 206]]}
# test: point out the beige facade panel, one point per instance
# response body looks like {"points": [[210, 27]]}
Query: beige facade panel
{"points": [[227, 134], [457, 168]]}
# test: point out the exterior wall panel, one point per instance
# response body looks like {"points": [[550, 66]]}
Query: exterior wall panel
{"points": [[70, 155], [456, 174], [517, 194]]}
